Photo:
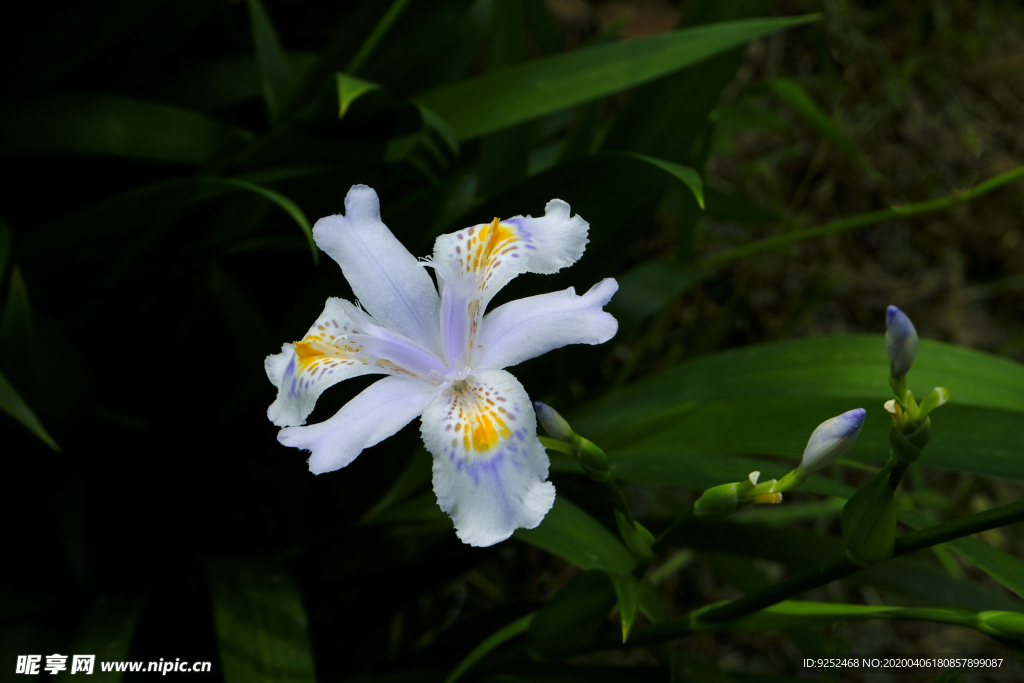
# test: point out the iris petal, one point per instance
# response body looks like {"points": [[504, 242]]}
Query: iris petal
{"points": [[489, 467]]}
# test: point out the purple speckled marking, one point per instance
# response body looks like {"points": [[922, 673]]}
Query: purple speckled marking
{"points": [[520, 434]]}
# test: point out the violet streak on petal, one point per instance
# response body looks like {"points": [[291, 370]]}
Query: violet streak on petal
{"points": [[830, 440]]}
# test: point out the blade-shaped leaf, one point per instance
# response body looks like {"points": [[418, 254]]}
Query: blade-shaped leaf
{"points": [[106, 631], [571, 619], [261, 624], [520, 93], [627, 591], [276, 76], [1003, 567], [780, 392], [664, 118], [351, 89], [12, 404], [684, 174], [224, 82], [492, 641], [570, 533], [119, 127], [798, 98]]}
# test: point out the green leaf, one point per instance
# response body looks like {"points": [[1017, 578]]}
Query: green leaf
{"points": [[627, 591], [781, 392], [12, 404], [499, 637], [520, 93], [351, 89], [223, 82], [869, 520], [504, 154], [798, 98], [411, 479], [665, 118], [106, 631], [119, 127], [378, 33], [1003, 567], [288, 205], [570, 621], [644, 289], [921, 582], [262, 630], [684, 174], [276, 75], [570, 533], [247, 327]]}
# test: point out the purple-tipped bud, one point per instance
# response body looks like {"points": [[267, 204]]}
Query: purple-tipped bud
{"points": [[900, 341], [553, 423], [830, 440]]}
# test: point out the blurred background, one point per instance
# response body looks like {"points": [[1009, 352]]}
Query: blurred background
{"points": [[163, 161]]}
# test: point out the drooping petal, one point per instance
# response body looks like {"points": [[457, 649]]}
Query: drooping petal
{"points": [[302, 371], [489, 467], [530, 327], [376, 413], [475, 263], [388, 280], [343, 342]]}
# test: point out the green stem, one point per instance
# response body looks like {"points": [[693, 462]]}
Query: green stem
{"points": [[370, 44], [865, 219], [796, 614], [840, 565]]}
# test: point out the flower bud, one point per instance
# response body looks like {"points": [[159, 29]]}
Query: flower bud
{"points": [[553, 423], [721, 501], [900, 341], [830, 440]]}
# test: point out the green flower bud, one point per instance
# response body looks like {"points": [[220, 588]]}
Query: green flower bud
{"points": [[1001, 624], [553, 423]]}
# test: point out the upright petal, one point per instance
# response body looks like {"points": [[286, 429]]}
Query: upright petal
{"points": [[527, 328], [388, 280], [475, 263], [376, 413], [344, 342], [489, 467]]}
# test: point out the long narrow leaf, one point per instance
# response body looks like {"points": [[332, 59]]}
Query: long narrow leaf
{"points": [[261, 624], [118, 127], [523, 92], [15, 406], [276, 75]]}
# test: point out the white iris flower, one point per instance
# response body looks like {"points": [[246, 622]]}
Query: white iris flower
{"points": [[442, 356]]}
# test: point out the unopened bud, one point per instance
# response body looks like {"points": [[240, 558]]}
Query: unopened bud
{"points": [[830, 440], [900, 341], [553, 423]]}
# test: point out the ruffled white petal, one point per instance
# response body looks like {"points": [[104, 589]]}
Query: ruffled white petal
{"points": [[491, 254], [530, 327], [324, 357], [376, 413], [388, 280], [489, 467]]}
